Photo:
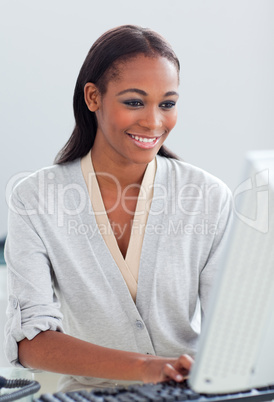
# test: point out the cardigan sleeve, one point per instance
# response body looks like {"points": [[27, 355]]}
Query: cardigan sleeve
{"points": [[208, 273], [32, 303]]}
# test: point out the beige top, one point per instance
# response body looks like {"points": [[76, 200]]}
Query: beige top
{"points": [[129, 266]]}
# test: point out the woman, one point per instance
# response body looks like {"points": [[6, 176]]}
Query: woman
{"points": [[112, 251]]}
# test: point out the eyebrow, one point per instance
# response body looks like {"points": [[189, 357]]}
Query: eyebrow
{"points": [[141, 92]]}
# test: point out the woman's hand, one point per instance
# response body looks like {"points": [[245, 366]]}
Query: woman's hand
{"points": [[159, 369]]}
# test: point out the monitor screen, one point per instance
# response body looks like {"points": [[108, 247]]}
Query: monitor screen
{"points": [[235, 350]]}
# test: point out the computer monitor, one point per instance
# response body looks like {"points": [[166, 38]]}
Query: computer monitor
{"points": [[236, 346]]}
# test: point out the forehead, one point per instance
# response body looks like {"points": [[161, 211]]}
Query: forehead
{"points": [[142, 71]]}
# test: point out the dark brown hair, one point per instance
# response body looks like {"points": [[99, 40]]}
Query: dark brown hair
{"points": [[117, 44]]}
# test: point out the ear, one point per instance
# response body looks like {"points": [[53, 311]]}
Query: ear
{"points": [[92, 96]]}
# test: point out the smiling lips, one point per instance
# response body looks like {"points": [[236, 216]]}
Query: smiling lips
{"points": [[142, 139], [144, 142]]}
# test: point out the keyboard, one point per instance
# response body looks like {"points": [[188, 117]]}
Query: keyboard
{"points": [[161, 392]]}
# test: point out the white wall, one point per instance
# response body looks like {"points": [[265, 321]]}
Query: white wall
{"points": [[3, 306], [226, 50]]}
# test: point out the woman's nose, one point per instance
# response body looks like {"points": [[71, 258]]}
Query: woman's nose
{"points": [[152, 120]]}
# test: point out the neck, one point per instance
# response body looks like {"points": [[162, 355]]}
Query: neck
{"points": [[125, 173]]}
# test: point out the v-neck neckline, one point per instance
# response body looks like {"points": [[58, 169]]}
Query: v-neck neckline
{"points": [[129, 266]]}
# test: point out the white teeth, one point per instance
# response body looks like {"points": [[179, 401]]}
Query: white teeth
{"points": [[141, 139]]}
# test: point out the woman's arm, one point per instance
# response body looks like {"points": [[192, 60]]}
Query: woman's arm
{"points": [[57, 352]]}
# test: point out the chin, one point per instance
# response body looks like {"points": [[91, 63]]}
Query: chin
{"points": [[143, 158]]}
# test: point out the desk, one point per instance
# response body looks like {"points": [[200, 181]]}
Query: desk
{"points": [[48, 381]]}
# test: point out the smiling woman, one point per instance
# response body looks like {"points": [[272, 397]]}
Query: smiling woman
{"points": [[130, 129], [104, 63], [110, 260], [136, 113]]}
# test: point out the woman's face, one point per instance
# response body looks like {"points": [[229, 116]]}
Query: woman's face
{"points": [[138, 110]]}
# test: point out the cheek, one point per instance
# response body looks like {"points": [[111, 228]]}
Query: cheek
{"points": [[171, 120], [121, 120], [112, 117]]}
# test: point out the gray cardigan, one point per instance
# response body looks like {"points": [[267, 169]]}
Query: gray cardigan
{"points": [[62, 277]]}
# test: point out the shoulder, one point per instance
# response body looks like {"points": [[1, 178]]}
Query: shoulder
{"points": [[190, 179], [186, 170], [37, 183]]}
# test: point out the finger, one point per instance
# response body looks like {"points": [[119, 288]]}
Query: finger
{"points": [[171, 373], [185, 361]]}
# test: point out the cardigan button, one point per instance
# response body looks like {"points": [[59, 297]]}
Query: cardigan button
{"points": [[139, 324], [14, 302]]}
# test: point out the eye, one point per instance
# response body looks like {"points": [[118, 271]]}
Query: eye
{"points": [[133, 103], [167, 105]]}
